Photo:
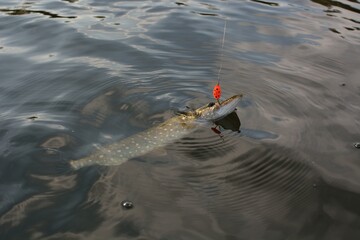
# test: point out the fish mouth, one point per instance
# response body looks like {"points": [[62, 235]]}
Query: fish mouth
{"points": [[235, 98], [227, 106], [214, 111]]}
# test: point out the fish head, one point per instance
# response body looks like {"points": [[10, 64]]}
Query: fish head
{"points": [[216, 111]]}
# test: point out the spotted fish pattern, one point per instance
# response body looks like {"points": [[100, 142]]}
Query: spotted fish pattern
{"points": [[158, 136]]}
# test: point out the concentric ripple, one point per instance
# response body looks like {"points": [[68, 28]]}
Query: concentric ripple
{"points": [[258, 183], [76, 75], [205, 145]]}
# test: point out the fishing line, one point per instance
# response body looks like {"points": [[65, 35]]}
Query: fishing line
{"points": [[217, 88], [222, 50]]}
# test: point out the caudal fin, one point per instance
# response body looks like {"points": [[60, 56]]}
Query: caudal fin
{"points": [[62, 167], [57, 164]]}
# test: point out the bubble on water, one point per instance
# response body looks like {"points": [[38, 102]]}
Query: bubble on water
{"points": [[126, 204]]}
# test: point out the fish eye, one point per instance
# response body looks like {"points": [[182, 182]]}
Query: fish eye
{"points": [[211, 104]]}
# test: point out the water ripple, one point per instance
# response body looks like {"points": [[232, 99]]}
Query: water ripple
{"points": [[79, 74], [264, 181]]}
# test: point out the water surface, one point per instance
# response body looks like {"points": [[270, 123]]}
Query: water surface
{"points": [[78, 75]]}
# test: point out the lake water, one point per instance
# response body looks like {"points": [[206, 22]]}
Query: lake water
{"points": [[76, 75]]}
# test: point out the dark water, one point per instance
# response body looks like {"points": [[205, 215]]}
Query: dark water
{"points": [[76, 75]]}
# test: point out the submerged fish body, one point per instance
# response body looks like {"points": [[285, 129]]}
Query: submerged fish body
{"points": [[158, 136], [140, 143]]}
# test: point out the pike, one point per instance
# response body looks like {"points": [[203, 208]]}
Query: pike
{"points": [[159, 136]]}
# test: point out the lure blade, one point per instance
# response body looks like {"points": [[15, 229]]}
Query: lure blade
{"points": [[217, 91]]}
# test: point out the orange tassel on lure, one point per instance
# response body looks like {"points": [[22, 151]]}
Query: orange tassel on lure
{"points": [[217, 92]]}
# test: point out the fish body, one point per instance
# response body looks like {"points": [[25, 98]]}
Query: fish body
{"points": [[159, 136]]}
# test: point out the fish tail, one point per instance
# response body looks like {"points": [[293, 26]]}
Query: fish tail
{"points": [[63, 167], [53, 162]]}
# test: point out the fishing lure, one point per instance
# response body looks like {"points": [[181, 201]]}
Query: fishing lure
{"points": [[217, 131], [217, 92]]}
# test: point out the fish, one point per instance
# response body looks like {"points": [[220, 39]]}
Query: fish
{"points": [[158, 136]]}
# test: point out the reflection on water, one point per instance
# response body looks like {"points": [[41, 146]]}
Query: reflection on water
{"points": [[231, 122], [347, 10], [330, 4], [77, 75], [25, 11], [266, 2]]}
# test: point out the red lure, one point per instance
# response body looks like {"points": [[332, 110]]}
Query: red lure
{"points": [[217, 92]]}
